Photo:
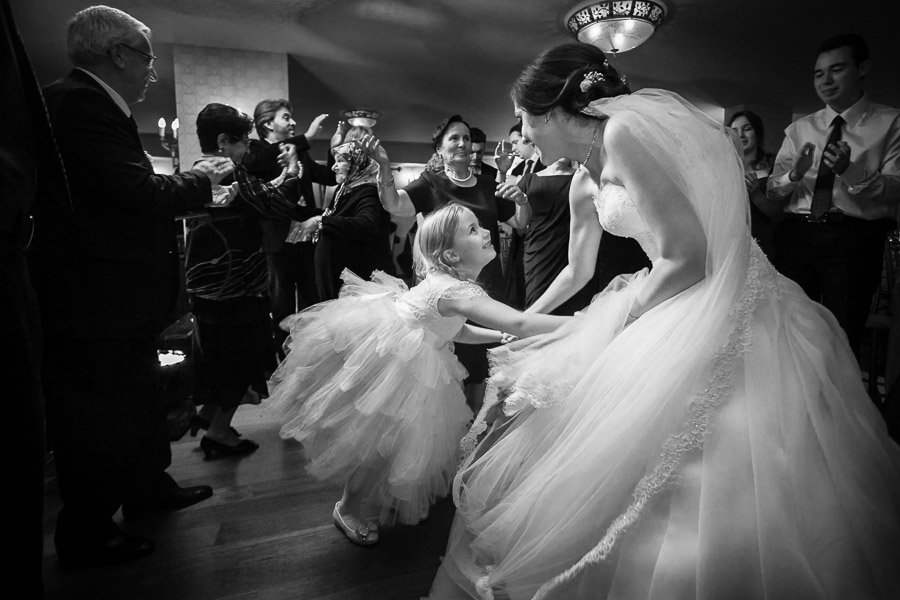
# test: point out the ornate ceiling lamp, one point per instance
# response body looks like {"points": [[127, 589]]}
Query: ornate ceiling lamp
{"points": [[616, 26], [359, 117]]}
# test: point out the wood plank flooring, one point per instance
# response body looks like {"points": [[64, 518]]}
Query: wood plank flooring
{"points": [[266, 534]]}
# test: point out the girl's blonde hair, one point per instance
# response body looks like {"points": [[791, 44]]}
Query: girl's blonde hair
{"points": [[435, 236]]}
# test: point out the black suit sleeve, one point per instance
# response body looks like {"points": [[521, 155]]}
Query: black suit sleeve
{"points": [[101, 152]]}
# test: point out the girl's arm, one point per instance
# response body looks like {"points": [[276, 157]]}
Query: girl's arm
{"points": [[666, 211], [490, 313], [472, 334], [584, 241]]}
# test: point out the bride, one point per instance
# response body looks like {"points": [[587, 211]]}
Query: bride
{"points": [[701, 431]]}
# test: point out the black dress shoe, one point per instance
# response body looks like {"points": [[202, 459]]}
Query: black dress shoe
{"points": [[197, 423], [179, 497], [211, 447], [120, 548]]}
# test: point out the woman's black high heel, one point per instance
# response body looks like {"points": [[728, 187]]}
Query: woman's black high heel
{"points": [[212, 447], [197, 423]]}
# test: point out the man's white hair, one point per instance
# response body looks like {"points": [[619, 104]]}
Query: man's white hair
{"points": [[93, 31]]}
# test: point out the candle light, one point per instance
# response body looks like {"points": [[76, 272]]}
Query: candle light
{"points": [[162, 127], [175, 126]]}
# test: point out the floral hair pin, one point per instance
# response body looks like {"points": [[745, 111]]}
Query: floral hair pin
{"points": [[590, 79]]}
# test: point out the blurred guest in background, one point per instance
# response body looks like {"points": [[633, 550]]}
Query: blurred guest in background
{"points": [[479, 140], [764, 213]]}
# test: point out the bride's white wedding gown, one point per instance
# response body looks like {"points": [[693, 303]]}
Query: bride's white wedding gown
{"points": [[721, 447]]}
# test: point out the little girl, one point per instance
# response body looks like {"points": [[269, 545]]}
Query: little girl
{"points": [[371, 386]]}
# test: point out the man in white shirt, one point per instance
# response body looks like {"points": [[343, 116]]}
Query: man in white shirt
{"points": [[838, 171]]}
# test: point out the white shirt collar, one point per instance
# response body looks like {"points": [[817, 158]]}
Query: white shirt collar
{"points": [[112, 93]]}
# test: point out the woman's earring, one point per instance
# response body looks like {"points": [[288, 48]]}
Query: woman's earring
{"points": [[547, 118]]}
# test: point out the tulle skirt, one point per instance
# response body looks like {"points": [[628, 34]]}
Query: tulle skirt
{"points": [[361, 389], [652, 463]]}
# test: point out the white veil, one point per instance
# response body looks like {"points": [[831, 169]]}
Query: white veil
{"points": [[664, 375]]}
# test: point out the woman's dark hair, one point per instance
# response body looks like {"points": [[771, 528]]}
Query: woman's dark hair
{"points": [[555, 78], [438, 136], [220, 118], [757, 125]]}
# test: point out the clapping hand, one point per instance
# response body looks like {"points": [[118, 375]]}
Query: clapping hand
{"points": [[223, 195], [216, 168], [752, 181], [316, 126], [804, 160], [837, 157], [287, 158]]}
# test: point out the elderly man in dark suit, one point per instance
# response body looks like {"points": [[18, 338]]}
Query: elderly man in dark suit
{"points": [[105, 273]]}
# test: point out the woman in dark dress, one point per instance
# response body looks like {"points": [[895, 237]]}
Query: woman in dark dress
{"points": [[227, 282], [764, 214], [491, 203], [355, 231], [546, 244]]}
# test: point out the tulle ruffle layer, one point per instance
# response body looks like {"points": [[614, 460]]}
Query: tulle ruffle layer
{"points": [[680, 463], [361, 388]]}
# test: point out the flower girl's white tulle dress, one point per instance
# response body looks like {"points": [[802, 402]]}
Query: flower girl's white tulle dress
{"points": [[720, 447], [371, 381]]}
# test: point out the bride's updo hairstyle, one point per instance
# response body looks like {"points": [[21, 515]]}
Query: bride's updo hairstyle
{"points": [[569, 76]]}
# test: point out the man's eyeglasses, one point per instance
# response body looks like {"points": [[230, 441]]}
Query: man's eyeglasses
{"points": [[150, 57]]}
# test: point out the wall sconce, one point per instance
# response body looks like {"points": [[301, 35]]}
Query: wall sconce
{"points": [[170, 145]]}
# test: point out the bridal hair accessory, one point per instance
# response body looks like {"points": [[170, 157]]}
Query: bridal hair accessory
{"points": [[590, 79]]}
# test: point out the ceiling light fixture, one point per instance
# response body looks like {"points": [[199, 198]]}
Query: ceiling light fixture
{"points": [[359, 117], [616, 27]]}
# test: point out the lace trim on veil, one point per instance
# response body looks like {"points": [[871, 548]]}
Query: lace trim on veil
{"points": [[759, 283]]}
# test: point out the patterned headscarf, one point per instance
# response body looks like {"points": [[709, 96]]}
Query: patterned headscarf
{"points": [[362, 170]]}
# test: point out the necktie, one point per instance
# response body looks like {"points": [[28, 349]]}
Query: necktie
{"points": [[821, 200], [529, 166]]}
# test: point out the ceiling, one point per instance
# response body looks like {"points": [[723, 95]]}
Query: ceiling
{"points": [[417, 61]]}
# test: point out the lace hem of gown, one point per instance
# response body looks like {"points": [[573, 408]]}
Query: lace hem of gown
{"points": [[761, 281]]}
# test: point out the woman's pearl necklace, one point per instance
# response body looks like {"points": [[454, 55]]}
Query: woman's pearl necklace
{"points": [[453, 176]]}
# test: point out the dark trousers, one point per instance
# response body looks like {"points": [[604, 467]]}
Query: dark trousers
{"points": [[23, 463], [837, 263], [292, 284], [107, 424]]}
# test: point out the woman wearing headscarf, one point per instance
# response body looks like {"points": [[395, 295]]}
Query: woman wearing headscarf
{"points": [[355, 231]]}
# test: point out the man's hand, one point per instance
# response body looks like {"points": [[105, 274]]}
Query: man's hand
{"points": [[803, 161], [223, 195], [837, 157], [315, 127], [287, 158], [216, 168]]}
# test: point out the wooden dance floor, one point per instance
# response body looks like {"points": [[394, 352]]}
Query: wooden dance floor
{"points": [[266, 534]]}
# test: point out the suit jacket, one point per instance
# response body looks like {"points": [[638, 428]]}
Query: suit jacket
{"points": [[261, 161], [108, 268]]}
